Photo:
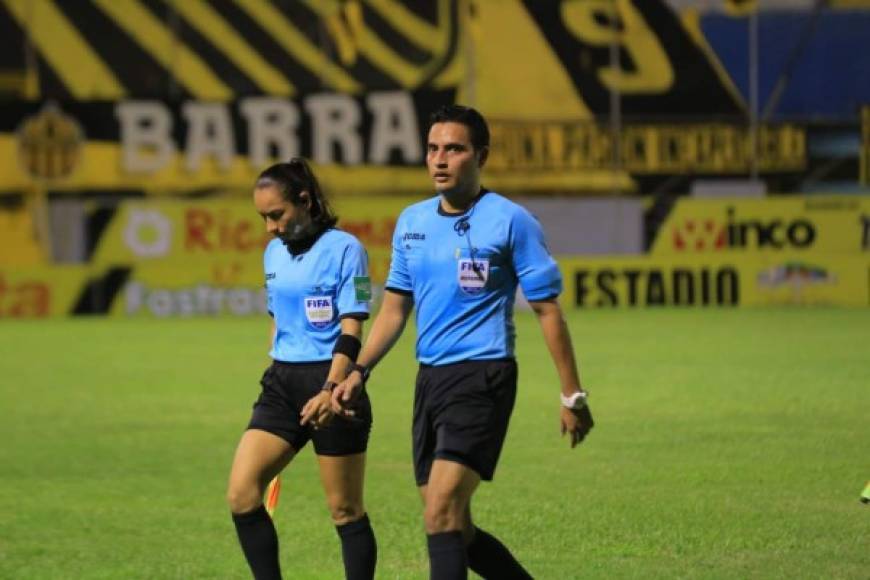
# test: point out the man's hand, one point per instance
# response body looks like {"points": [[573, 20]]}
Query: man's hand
{"points": [[345, 394], [577, 422], [318, 410]]}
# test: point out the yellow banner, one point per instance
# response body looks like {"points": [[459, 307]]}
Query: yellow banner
{"points": [[19, 245], [801, 224], [165, 290], [229, 235], [182, 232], [196, 290], [727, 280], [41, 292], [644, 149], [100, 167]]}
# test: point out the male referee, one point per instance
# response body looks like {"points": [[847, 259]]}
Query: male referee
{"points": [[459, 257]]}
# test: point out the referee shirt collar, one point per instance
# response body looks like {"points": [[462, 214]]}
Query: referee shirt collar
{"points": [[445, 213]]}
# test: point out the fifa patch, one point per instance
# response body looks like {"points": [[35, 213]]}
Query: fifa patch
{"points": [[318, 310], [473, 275], [362, 287]]}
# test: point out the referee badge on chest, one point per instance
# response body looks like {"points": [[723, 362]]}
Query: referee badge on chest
{"points": [[319, 311], [472, 274]]}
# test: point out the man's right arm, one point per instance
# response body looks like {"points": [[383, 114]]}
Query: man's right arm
{"points": [[386, 330]]}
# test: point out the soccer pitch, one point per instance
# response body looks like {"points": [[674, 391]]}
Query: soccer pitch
{"points": [[728, 444]]}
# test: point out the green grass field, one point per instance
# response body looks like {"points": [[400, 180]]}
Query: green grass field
{"points": [[729, 444]]}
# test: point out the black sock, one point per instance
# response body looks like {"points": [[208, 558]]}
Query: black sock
{"points": [[447, 559], [491, 559], [358, 549], [259, 543]]}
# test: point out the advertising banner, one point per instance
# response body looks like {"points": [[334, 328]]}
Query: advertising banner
{"points": [[228, 234], [730, 279], [223, 239], [801, 224], [19, 243], [200, 290], [41, 292], [203, 290], [373, 142], [645, 149]]}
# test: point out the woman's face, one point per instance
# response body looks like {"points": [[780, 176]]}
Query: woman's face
{"points": [[283, 219]]}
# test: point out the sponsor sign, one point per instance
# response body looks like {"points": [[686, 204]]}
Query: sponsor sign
{"points": [[824, 224], [174, 291], [41, 292], [228, 234], [644, 148], [725, 280], [178, 231]]}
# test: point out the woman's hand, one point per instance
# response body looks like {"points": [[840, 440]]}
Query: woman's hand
{"points": [[318, 410]]}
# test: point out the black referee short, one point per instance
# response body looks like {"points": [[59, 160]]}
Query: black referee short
{"points": [[286, 389], [461, 413]]}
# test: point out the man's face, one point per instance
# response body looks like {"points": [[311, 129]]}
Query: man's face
{"points": [[283, 219], [453, 164]]}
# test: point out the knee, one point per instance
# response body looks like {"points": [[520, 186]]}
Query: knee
{"points": [[344, 511], [443, 513], [243, 498]]}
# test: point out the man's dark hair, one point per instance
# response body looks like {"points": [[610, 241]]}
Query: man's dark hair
{"points": [[469, 117], [291, 179]]}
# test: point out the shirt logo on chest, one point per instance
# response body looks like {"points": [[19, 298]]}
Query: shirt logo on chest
{"points": [[319, 310], [472, 275]]}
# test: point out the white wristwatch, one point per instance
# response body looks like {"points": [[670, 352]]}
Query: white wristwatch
{"points": [[575, 401]]}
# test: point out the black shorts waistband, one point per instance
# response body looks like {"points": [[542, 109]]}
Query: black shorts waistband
{"points": [[465, 362], [301, 364]]}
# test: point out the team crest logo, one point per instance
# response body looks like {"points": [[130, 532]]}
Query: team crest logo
{"points": [[318, 310], [50, 144], [473, 275]]}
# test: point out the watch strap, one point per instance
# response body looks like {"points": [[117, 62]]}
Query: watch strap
{"points": [[574, 401], [362, 370]]}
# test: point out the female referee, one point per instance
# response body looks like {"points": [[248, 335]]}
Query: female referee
{"points": [[318, 295]]}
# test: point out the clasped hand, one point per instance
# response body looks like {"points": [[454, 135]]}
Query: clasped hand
{"points": [[318, 410], [344, 395]]}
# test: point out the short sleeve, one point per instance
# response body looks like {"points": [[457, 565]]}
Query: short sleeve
{"points": [[399, 279], [355, 288], [536, 269]]}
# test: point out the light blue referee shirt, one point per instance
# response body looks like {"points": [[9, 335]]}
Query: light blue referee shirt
{"points": [[462, 271], [310, 293]]}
